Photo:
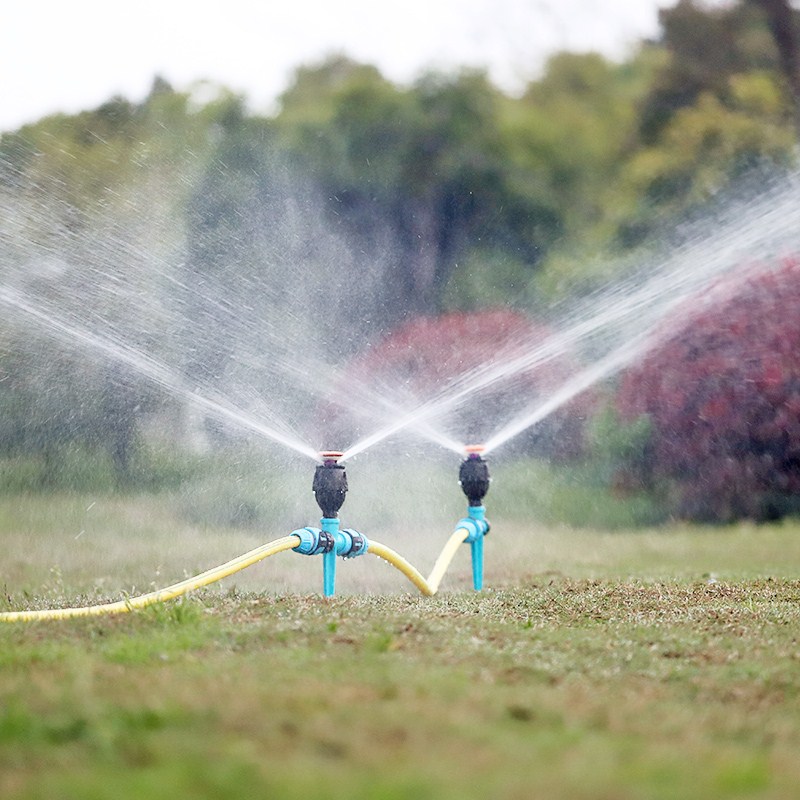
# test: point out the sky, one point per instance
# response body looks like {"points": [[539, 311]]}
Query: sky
{"points": [[70, 56]]}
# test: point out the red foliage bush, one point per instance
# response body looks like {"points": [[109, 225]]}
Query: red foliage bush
{"points": [[723, 398], [421, 359]]}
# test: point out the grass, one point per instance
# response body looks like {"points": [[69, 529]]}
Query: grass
{"points": [[658, 663]]}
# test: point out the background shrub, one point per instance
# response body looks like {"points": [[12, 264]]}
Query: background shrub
{"points": [[722, 396]]}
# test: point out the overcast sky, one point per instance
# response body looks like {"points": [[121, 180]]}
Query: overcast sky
{"points": [[70, 55]]}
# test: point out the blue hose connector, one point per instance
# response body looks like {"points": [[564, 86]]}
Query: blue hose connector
{"points": [[477, 526], [313, 541], [347, 543], [353, 543], [330, 541]]}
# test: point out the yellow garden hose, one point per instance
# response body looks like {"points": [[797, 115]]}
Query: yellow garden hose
{"points": [[160, 595], [430, 585]]}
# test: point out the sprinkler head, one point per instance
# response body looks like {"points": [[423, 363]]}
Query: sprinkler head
{"points": [[330, 483], [473, 475]]}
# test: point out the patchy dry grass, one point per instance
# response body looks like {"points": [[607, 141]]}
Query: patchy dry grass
{"points": [[655, 664]]}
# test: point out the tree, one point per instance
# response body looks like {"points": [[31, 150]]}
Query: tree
{"points": [[705, 47], [783, 25], [421, 172], [707, 149], [569, 139]]}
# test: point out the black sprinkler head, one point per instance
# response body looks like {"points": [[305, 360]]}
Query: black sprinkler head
{"points": [[330, 484], [473, 475]]}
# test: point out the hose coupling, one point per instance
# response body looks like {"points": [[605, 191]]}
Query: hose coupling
{"points": [[352, 543], [313, 541], [476, 528]]}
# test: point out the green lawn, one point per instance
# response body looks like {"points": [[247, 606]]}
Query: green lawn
{"points": [[649, 664]]}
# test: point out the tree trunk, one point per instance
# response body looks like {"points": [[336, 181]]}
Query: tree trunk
{"points": [[784, 29]]}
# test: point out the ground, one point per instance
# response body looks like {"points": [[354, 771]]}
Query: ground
{"points": [[648, 664]]}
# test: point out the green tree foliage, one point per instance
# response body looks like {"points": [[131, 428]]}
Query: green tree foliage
{"points": [[707, 148], [423, 170], [705, 48], [784, 25], [707, 110], [569, 138]]}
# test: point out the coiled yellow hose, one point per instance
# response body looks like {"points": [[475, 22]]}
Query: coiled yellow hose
{"points": [[160, 595]]}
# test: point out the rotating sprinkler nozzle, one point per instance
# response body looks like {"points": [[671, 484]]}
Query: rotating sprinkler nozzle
{"points": [[473, 475], [330, 484]]}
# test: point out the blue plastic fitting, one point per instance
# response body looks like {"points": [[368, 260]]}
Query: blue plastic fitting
{"points": [[330, 542], [476, 551], [477, 526], [354, 544], [330, 525], [313, 541]]}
